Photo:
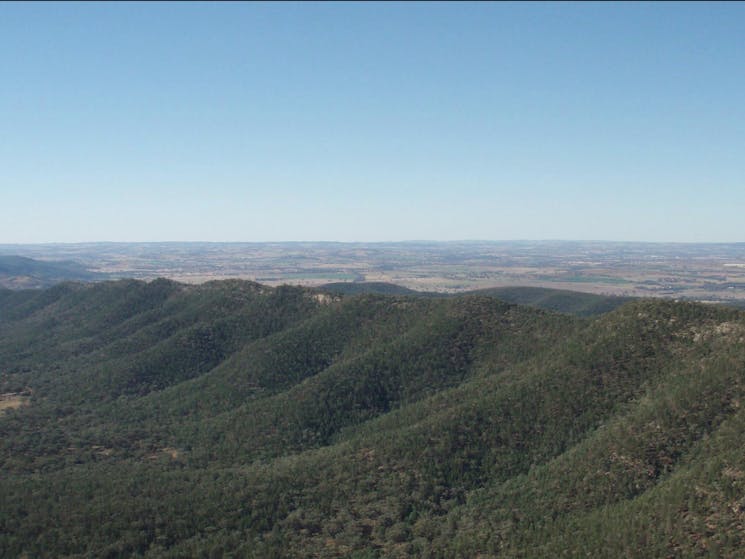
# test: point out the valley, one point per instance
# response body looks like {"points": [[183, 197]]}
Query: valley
{"points": [[231, 418], [702, 272]]}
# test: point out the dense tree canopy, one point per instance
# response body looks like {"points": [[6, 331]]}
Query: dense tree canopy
{"points": [[233, 419]]}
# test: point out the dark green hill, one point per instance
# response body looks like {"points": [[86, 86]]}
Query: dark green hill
{"points": [[375, 287], [163, 420], [570, 302], [19, 272]]}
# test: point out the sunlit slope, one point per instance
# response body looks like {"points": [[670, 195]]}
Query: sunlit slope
{"points": [[235, 418]]}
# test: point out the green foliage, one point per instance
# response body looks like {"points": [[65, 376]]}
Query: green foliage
{"points": [[570, 302], [376, 287], [233, 419], [19, 271]]}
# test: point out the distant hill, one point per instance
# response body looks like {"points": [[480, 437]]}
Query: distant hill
{"points": [[571, 302], [19, 272], [376, 287], [235, 419], [738, 304]]}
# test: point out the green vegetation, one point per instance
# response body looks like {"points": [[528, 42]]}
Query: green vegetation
{"points": [[377, 287], [571, 302], [22, 272], [233, 419]]}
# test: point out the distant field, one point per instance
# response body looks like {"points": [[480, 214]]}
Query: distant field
{"points": [[596, 279], [338, 276], [702, 272]]}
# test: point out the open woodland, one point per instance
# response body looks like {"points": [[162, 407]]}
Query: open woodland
{"points": [[235, 419]]}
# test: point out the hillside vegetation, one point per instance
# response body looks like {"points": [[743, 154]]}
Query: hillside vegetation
{"points": [[572, 302], [233, 419], [19, 272]]}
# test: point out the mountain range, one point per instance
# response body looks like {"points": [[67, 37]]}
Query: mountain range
{"points": [[234, 419]]}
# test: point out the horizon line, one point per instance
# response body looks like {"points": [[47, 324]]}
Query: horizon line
{"points": [[358, 242]]}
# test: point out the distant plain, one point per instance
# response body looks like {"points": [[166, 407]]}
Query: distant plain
{"points": [[702, 272]]}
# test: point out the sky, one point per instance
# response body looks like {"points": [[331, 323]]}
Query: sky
{"points": [[372, 121]]}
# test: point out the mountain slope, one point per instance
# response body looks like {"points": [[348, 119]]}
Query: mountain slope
{"points": [[19, 272], [163, 420], [559, 300]]}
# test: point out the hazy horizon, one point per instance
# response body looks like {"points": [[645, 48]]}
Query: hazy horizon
{"points": [[372, 122], [363, 242]]}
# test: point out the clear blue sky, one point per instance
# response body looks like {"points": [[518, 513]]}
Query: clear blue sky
{"points": [[371, 122]]}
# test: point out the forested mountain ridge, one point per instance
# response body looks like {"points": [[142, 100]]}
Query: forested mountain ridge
{"points": [[164, 420], [572, 302]]}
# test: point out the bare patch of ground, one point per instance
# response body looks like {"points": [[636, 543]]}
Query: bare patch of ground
{"points": [[12, 401]]}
